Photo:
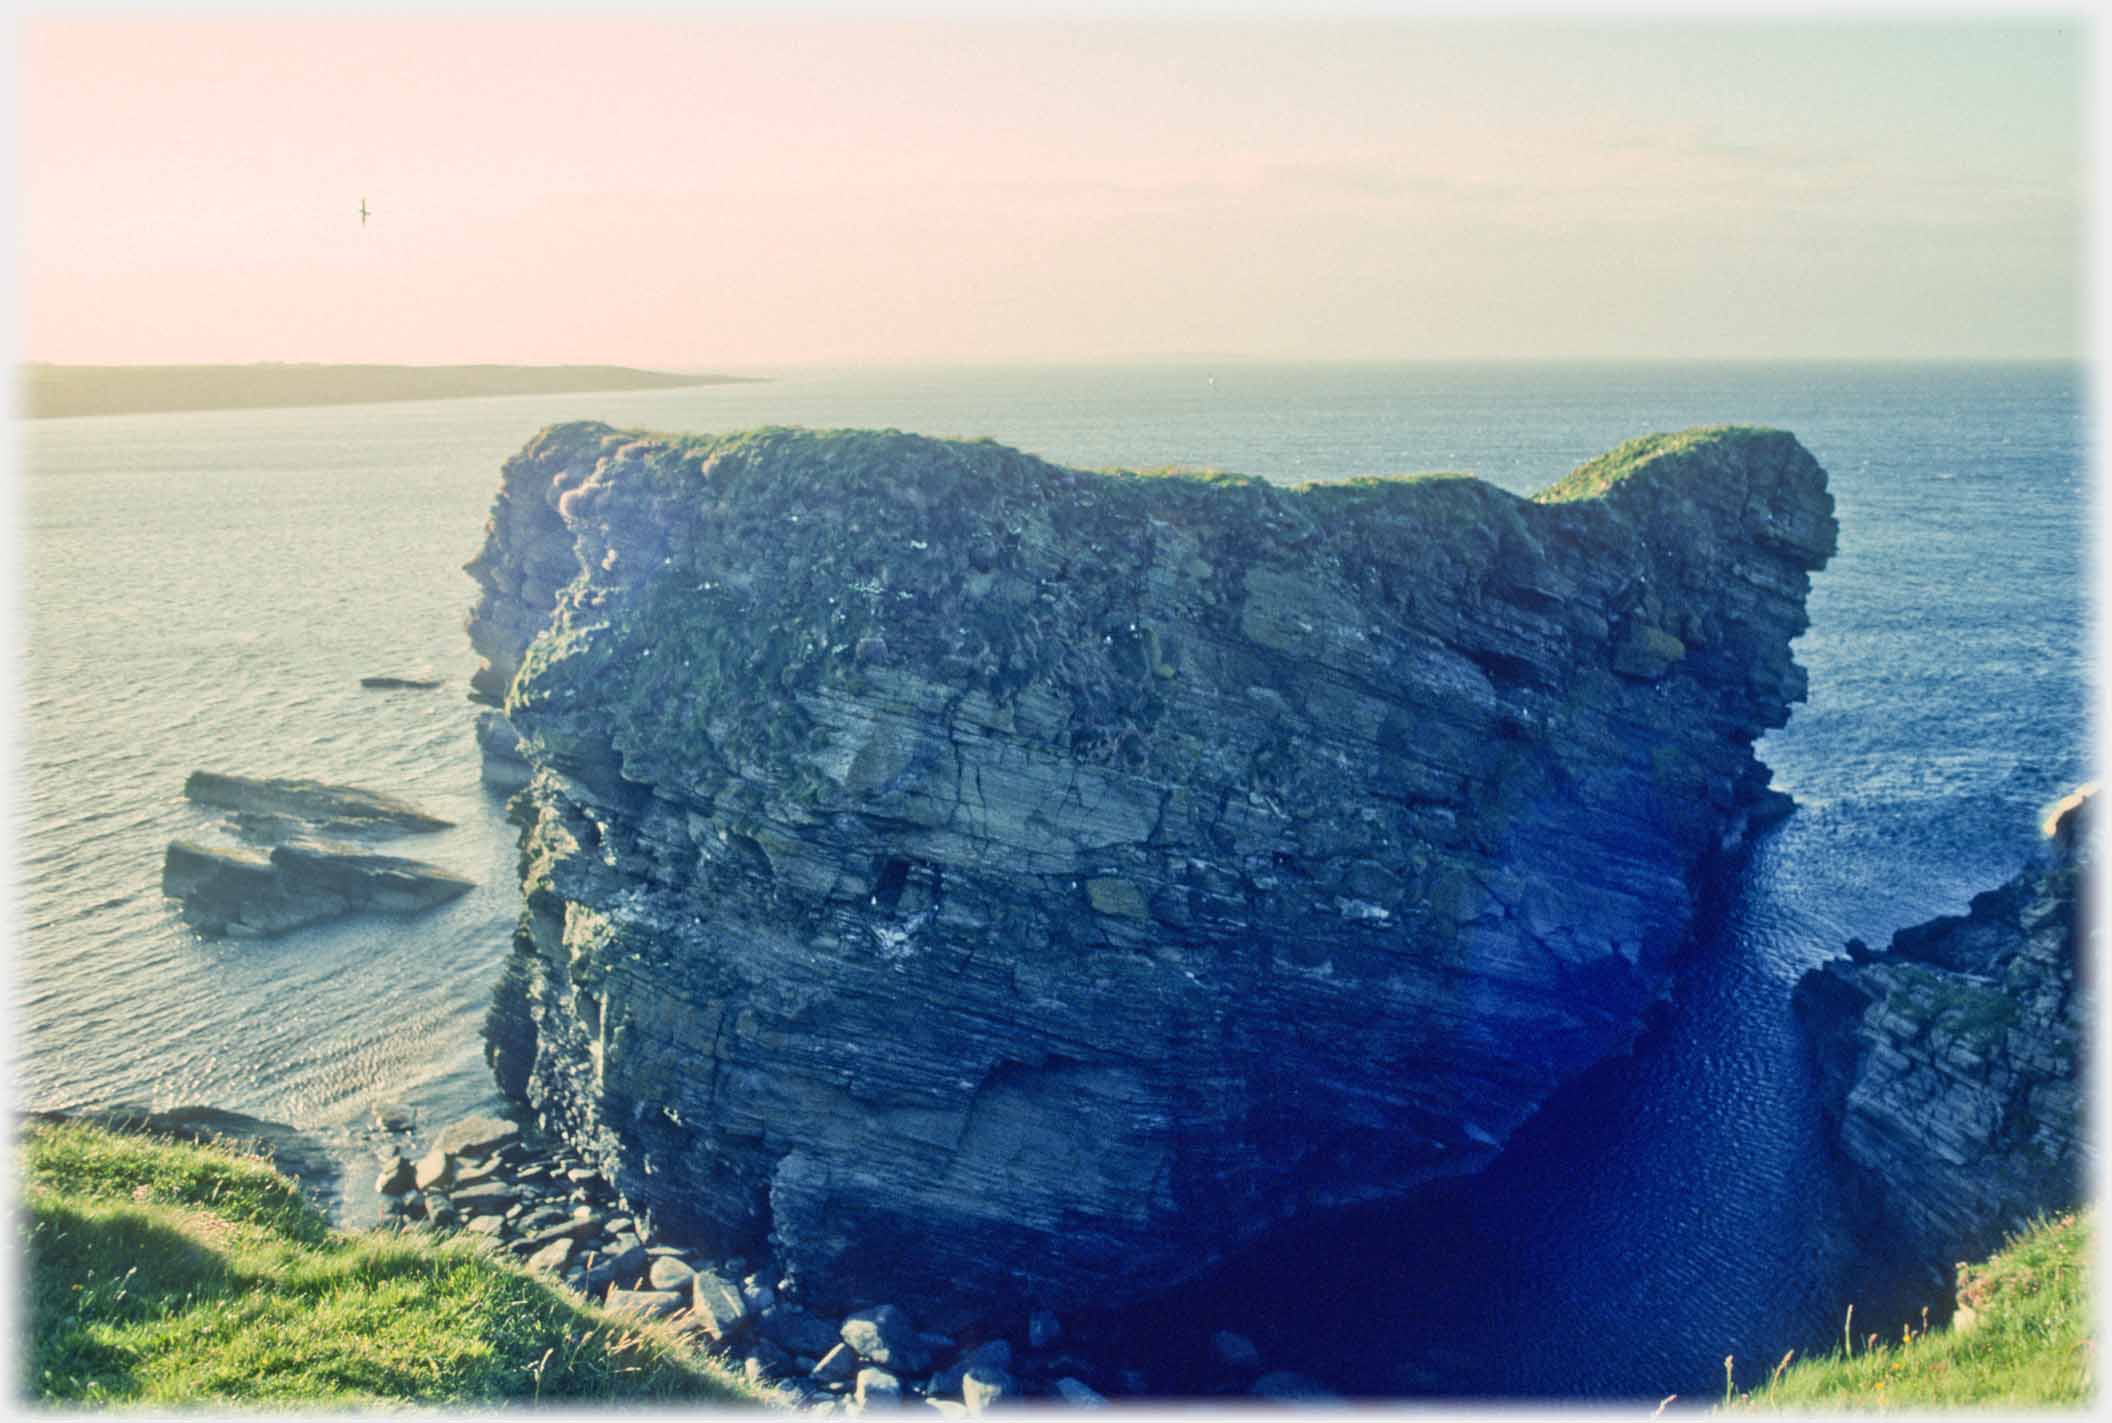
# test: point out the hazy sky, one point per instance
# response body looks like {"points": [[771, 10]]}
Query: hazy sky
{"points": [[715, 193]]}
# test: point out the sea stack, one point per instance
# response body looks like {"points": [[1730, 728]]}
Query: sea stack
{"points": [[987, 884]]}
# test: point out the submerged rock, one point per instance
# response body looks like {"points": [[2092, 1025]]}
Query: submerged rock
{"points": [[1235, 1351], [1287, 1387], [1950, 1062], [1043, 1329], [1000, 886], [228, 892], [319, 808]]}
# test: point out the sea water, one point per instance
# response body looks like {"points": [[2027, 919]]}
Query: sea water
{"points": [[206, 589]]}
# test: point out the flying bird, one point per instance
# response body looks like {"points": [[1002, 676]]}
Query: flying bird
{"points": [[362, 212]]}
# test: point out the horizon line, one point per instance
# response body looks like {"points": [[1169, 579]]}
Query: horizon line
{"points": [[1133, 358]]}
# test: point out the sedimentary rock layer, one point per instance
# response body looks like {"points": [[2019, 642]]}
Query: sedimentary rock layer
{"points": [[1951, 1061], [988, 881]]}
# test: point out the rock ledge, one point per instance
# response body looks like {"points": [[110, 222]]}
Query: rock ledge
{"points": [[1951, 1061]]}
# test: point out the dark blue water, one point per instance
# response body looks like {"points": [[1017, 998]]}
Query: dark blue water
{"points": [[206, 589], [1677, 1205]]}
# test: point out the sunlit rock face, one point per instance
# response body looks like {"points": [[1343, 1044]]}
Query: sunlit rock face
{"points": [[978, 881], [1952, 1060]]}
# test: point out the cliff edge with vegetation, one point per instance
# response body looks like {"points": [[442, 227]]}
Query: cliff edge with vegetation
{"points": [[167, 1272], [982, 883]]}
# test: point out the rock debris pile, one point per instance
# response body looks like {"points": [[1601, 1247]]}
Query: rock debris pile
{"points": [[485, 1179]]}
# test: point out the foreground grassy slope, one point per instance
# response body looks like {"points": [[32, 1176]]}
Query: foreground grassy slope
{"points": [[165, 1272], [2024, 1337]]}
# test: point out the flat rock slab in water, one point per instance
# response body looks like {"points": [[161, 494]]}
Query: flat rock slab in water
{"points": [[314, 805], [395, 683], [226, 892]]}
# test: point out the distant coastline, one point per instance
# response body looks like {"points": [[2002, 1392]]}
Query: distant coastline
{"points": [[50, 391]]}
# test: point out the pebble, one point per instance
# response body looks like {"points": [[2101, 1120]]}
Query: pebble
{"points": [[1043, 1329], [668, 1273], [877, 1388], [839, 1364], [1288, 1387], [552, 1257], [433, 1169], [800, 1331], [997, 1353], [882, 1335], [397, 1176], [1235, 1350], [1079, 1394], [476, 1136], [478, 1172], [984, 1385], [485, 1197], [772, 1360], [719, 1307], [648, 1304]]}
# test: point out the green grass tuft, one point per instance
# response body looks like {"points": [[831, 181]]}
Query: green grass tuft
{"points": [[2024, 1339], [1203, 476], [165, 1272], [1589, 481]]}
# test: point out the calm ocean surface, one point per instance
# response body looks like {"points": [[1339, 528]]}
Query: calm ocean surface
{"points": [[206, 590]]}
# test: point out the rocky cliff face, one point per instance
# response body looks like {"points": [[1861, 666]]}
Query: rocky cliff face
{"points": [[1951, 1061], [978, 880]]}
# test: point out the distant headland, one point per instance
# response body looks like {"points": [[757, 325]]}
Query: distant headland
{"points": [[49, 390]]}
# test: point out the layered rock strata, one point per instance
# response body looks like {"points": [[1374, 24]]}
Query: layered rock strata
{"points": [[1951, 1062], [986, 881]]}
